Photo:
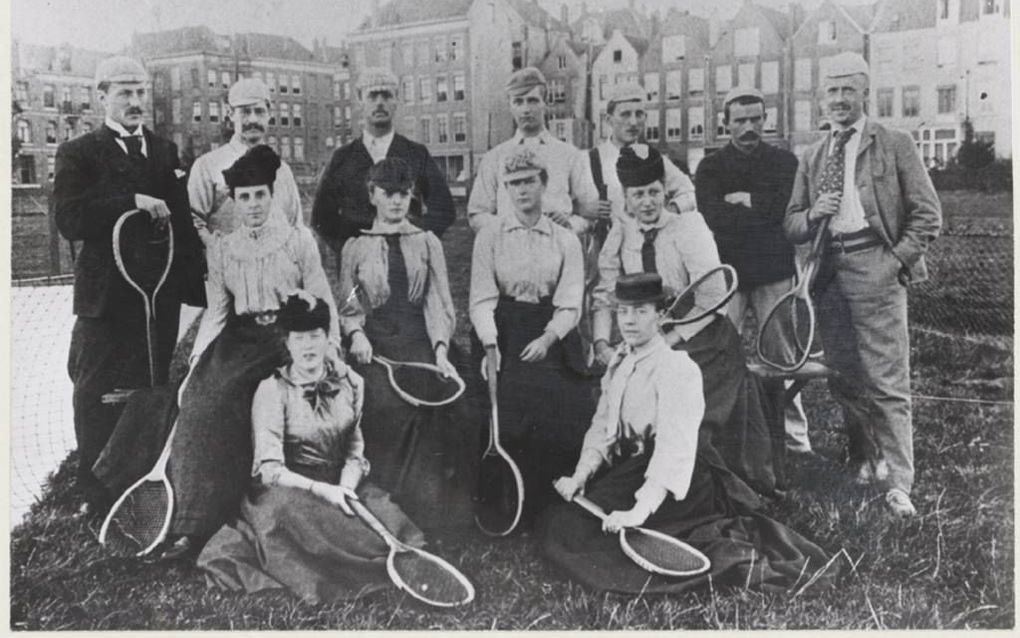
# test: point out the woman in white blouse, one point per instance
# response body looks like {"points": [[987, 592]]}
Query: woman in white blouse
{"points": [[645, 461], [252, 270]]}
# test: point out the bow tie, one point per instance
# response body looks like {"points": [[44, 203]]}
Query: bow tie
{"points": [[318, 393]]}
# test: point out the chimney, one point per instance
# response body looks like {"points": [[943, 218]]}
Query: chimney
{"points": [[564, 14]]}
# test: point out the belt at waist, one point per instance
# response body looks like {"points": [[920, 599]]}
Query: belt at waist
{"points": [[544, 301], [852, 242]]}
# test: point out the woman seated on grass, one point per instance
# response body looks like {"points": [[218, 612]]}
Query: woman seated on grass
{"points": [[645, 460], [296, 529], [404, 311]]}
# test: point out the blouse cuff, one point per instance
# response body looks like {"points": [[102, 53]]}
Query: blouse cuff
{"points": [[649, 496], [589, 463]]}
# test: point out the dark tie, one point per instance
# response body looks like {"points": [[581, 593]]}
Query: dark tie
{"points": [[648, 250], [134, 146], [835, 165]]}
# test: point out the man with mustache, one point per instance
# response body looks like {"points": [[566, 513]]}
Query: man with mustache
{"points": [[742, 191], [248, 106], [883, 213], [99, 176], [342, 208], [570, 200]]}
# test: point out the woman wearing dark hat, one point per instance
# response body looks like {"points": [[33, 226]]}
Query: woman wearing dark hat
{"points": [[405, 312], [251, 272], [308, 461], [680, 248], [527, 281], [645, 460]]}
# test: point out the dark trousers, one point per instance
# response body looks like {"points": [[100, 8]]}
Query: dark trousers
{"points": [[109, 353]]}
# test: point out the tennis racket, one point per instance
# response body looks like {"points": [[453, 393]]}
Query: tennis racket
{"points": [[787, 335], [144, 256], [704, 296], [502, 487], [421, 384], [654, 551], [138, 522], [425, 576]]}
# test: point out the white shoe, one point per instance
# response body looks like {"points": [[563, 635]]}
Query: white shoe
{"points": [[899, 503]]}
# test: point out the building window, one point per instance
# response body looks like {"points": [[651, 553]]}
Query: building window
{"points": [[225, 80], [884, 102], [195, 81], [284, 89], [652, 126], [802, 115], [68, 131], [272, 116], [947, 99], [441, 55], [674, 125], [24, 132], [802, 74], [827, 32], [51, 132], [911, 101], [695, 81], [442, 88], [723, 78], [745, 42], [297, 114], [329, 141], [442, 132], [51, 167], [458, 86], [425, 89], [617, 55], [407, 88], [271, 81], [561, 62], [674, 48], [652, 87], [175, 78], [285, 147], [347, 113], [603, 86], [426, 130], [273, 144], [456, 48], [770, 77], [696, 122], [211, 78], [346, 90], [26, 169], [214, 111], [721, 132], [459, 127], [65, 98], [295, 88], [336, 89], [745, 74], [516, 55], [945, 51], [299, 149], [49, 99], [423, 52], [196, 111], [674, 85], [337, 117], [557, 92], [284, 114], [771, 120], [407, 53], [21, 93], [409, 125], [86, 98]]}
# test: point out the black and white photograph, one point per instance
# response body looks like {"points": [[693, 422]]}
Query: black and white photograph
{"points": [[529, 315]]}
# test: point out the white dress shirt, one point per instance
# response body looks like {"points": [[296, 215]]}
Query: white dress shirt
{"points": [[851, 213], [123, 132], [377, 146]]}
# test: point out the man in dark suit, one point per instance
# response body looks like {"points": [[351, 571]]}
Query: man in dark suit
{"points": [[119, 167], [342, 208], [869, 182]]}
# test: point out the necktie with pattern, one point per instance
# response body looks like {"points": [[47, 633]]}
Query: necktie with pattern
{"points": [[648, 250], [835, 165]]}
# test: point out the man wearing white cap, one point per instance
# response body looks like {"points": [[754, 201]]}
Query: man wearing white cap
{"points": [[743, 190], [882, 212], [119, 167], [342, 208], [248, 104], [570, 198]]}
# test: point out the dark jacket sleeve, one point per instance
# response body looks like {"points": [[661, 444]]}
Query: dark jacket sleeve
{"points": [[439, 209], [325, 216], [86, 207], [767, 208]]}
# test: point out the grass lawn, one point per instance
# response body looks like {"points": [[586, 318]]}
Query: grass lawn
{"points": [[951, 567]]}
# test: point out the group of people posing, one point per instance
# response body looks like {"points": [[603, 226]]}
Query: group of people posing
{"points": [[283, 418]]}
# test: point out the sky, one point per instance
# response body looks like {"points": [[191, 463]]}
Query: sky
{"points": [[107, 25]]}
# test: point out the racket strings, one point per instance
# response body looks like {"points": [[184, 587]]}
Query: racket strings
{"points": [[787, 336], [431, 578], [499, 495], [139, 520], [662, 553], [704, 296], [143, 252]]}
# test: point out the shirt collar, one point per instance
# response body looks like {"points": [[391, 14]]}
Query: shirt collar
{"points": [[543, 136], [665, 218], [121, 131], [236, 144], [403, 228], [858, 127], [367, 139], [511, 222]]}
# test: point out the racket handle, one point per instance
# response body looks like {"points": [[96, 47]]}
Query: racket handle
{"points": [[374, 523], [591, 507]]}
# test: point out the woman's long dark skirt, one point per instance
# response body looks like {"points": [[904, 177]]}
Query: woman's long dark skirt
{"points": [[211, 458], [545, 408], [716, 517]]}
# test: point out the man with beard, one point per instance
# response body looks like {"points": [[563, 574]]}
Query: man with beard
{"points": [[742, 191], [248, 106], [570, 199], [883, 213], [342, 208], [99, 176]]}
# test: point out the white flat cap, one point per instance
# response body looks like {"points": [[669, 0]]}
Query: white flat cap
{"points": [[121, 69], [248, 91], [376, 78], [847, 63], [738, 92]]}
